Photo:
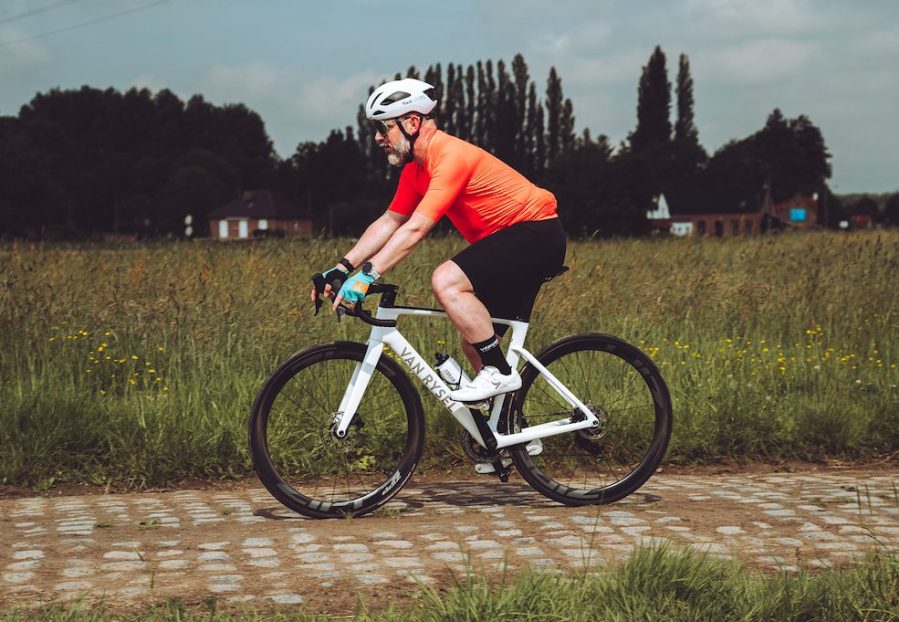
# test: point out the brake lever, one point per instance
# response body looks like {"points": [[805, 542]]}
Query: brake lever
{"points": [[318, 282]]}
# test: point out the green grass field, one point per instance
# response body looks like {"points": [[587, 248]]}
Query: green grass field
{"points": [[137, 364], [654, 584]]}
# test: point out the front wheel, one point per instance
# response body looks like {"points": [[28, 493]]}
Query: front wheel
{"points": [[624, 389], [301, 461]]}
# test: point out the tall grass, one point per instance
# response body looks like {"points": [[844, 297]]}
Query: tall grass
{"points": [[654, 584], [137, 364]]}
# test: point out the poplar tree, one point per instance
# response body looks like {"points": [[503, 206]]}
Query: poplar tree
{"points": [[521, 78], [653, 106], [684, 128], [553, 116], [566, 128], [506, 122], [480, 125], [470, 103], [458, 95], [530, 133], [540, 146], [437, 82], [489, 109], [683, 184], [449, 102]]}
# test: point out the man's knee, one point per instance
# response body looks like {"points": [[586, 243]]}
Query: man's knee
{"points": [[448, 279]]}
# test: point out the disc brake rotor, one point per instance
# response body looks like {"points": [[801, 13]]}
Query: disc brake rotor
{"points": [[345, 443], [589, 439]]}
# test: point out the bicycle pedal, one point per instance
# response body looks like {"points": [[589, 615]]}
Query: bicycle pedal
{"points": [[488, 468]]}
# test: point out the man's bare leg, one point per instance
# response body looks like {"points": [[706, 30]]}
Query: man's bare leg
{"points": [[455, 293]]}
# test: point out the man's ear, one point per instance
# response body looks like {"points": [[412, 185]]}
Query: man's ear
{"points": [[415, 125]]}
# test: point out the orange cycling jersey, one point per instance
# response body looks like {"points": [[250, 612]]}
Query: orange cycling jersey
{"points": [[477, 192]]}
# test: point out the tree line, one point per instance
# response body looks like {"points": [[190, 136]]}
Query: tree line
{"points": [[77, 163]]}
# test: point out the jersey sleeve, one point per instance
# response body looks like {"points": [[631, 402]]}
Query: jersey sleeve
{"points": [[448, 179], [407, 197]]}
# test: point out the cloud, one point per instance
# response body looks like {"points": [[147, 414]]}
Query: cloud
{"points": [[248, 81], [324, 95], [315, 97], [620, 68], [773, 17], [760, 61], [294, 104], [877, 44], [22, 58], [553, 45]]}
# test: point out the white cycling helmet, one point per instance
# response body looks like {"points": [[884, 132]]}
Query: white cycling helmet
{"points": [[399, 97]]}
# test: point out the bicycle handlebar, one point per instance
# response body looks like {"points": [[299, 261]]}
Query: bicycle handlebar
{"points": [[375, 288], [365, 316]]}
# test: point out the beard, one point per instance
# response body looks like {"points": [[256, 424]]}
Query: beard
{"points": [[399, 152]]}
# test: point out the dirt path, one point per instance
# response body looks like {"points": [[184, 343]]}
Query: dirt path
{"points": [[239, 545]]}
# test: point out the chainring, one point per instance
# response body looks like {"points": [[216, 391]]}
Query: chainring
{"points": [[473, 450]]}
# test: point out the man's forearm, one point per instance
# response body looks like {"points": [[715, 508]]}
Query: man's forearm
{"points": [[401, 243], [373, 240]]}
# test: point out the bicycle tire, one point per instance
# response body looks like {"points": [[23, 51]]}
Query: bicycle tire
{"points": [[624, 388], [303, 465]]}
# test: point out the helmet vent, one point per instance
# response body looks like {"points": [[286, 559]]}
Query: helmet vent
{"points": [[395, 97]]}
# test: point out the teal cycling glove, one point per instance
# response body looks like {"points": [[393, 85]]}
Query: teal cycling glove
{"points": [[355, 287]]}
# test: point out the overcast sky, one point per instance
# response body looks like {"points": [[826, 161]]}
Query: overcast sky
{"points": [[305, 66]]}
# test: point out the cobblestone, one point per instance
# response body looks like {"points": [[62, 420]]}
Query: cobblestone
{"points": [[241, 546]]}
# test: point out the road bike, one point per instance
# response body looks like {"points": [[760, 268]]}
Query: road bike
{"points": [[338, 429]]}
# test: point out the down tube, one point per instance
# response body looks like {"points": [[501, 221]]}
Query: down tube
{"points": [[432, 381]]}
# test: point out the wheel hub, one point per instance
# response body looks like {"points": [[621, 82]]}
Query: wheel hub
{"points": [[589, 438], [356, 422]]}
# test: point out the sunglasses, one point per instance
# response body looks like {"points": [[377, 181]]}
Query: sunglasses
{"points": [[382, 127]]}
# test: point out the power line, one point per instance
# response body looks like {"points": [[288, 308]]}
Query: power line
{"points": [[74, 26], [36, 11]]}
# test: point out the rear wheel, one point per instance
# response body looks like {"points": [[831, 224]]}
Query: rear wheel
{"points": [[624, 389], [300, 459]]}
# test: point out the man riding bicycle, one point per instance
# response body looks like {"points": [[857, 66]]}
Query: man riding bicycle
{"points": [[515, 236]]}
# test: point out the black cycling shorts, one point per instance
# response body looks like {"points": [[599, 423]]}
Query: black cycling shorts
{"points": [[508, 267]]}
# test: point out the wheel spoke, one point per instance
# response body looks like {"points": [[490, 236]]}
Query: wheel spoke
{"points": [[301, 453], [587, 463]]}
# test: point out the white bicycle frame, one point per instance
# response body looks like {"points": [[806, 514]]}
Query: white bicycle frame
{"points": [[391, 336]]}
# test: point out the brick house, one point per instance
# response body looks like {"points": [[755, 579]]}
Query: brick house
{"points": [[687, 217], [799, 212], [256, 213]]}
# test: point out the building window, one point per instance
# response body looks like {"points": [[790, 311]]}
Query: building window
{"points": [[735, 227], [243, 228], [263, 224], [681, 228], [223, 229], [700, 227], [719, 228], [748, 228]]}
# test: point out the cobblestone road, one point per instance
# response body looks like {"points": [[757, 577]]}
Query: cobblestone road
{"points": [[239, 545]]}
